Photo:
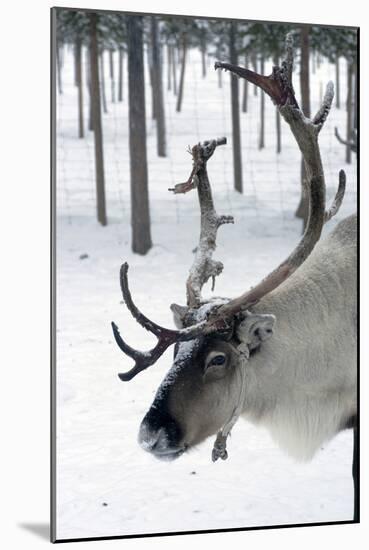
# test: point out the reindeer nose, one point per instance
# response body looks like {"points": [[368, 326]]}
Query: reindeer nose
{"points": [[160, 435], [152, 440]]}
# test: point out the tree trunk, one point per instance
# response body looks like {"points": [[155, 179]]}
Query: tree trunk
{"points": [[262, 111], [220, 79], [120, 75], [61, 54], [278, 116], [111, 67], [174, 67], [245, 89], [278, 130], [183, 68], [220, 73], [88, 80], [303, 208], [96, 113], [236, 133], [355, 96], [75, 64], [140, 213], [254, 63], [169, 68], [349, 111], [59, 67], [203, 56], [151, 75], [158, 89], [337, 90], [81, 132], [102, 82]]}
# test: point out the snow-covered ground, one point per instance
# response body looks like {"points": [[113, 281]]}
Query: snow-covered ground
{"points": [[106, 485]]}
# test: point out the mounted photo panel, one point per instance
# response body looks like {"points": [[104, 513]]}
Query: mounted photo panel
{"points": [[204, 273]]}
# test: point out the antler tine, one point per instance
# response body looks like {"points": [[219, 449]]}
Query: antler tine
{"points": [[143, 360], [203, 267], [279, 86], [166, 337], [352, 143], [325, 108], [336, 204], [136, 313]]}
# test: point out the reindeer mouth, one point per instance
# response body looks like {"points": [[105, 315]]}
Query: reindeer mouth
{"points": [[169, 455]]}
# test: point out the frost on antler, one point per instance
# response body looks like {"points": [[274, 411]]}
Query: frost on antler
{"points": [[203, 267], [325, 108]]}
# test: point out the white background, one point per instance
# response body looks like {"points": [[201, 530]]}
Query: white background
{"points": [[25, 264]]}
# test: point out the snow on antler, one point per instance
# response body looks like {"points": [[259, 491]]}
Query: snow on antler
{"points": [[203, 267]]}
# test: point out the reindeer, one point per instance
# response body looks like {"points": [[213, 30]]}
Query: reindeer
{"points": [[283, 354]]}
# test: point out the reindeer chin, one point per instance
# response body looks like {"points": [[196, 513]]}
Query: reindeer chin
{"points": [[170, 455]]}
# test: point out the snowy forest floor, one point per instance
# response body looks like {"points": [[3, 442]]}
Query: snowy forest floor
{"points": [[106, 485]]}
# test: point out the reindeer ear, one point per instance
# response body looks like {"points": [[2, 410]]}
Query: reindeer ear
{"points": [[255, 329], [179, 313]]}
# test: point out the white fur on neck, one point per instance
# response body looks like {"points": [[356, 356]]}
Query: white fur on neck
{"points": [[301, 385]]}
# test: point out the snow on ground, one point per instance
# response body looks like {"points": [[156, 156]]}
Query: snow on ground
{"points": [[106, 485]]}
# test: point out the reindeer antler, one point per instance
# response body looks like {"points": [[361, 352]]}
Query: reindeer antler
{"points": [[352, 143], [279, 86], [219, 318], [203, 267], [166, 337]]}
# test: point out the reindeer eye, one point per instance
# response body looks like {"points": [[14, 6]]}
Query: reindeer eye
{"points": [[215, 366], [217, 360]]}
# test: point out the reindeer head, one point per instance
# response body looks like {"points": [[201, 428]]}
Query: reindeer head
{"points": [[203, 392], [203, 388]]}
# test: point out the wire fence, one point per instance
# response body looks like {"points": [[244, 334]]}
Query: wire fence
{"points": [[271, 180]]}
